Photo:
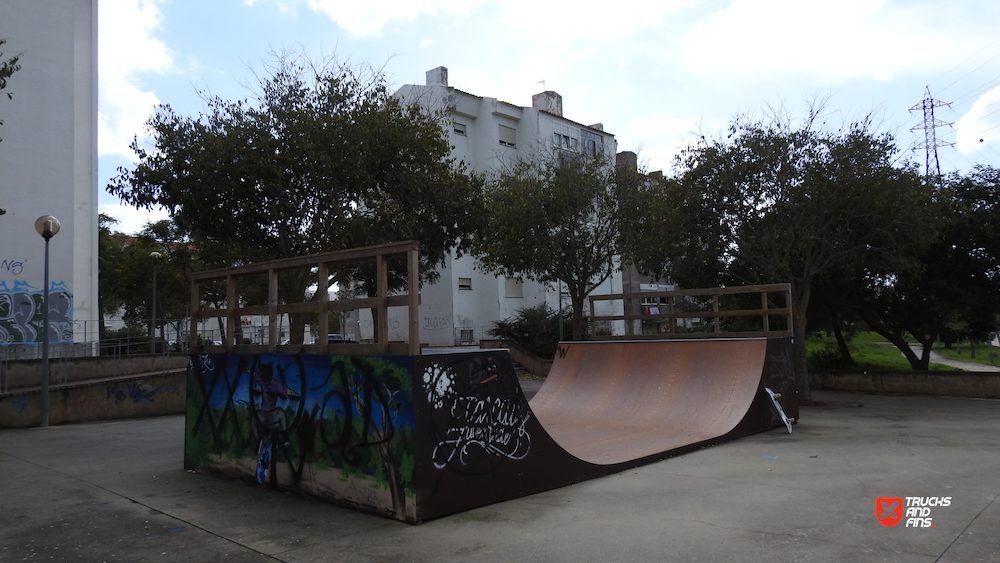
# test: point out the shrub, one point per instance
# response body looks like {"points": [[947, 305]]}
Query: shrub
{"points": [[534, 328]]}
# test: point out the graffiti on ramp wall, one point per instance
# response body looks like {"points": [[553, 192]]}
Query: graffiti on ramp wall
{"points": [[338, 427]]}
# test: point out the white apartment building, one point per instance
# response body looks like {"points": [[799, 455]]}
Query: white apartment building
{"points": [[490, 135], [48, 166]]}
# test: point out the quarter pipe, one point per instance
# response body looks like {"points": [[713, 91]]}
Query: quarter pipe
{"points": [[419, 437]]}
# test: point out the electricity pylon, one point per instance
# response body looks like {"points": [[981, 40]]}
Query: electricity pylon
{"points": [[931, 143]]}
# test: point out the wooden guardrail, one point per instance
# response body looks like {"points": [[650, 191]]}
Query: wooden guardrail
{"points": [[321, 304], [702, 313]]}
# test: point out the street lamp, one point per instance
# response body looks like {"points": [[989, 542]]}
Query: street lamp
{"points": [[47, 226], [152, 325]]}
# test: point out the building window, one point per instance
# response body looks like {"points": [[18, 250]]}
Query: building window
{"points": [[467, 336], [508, 136], [464, 283], [458, 128], [593, 144], [515, 287]]}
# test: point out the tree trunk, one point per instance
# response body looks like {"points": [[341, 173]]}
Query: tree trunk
{"points": [[916, 363], [800, 303], [296, 328], [801, 370], [577, 301], [845, 352], [375, 334]]}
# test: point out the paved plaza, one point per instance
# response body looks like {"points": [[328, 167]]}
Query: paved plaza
{"points": [[117, 491]]}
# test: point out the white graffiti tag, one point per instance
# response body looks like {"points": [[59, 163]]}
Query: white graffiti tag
{"points": [[439, 385], [494, 427]]}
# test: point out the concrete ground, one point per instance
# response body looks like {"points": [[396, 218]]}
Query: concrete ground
{"points": [[117, 491]]}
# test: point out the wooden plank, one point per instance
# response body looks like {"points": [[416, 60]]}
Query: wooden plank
{"points": [[392, 250], [382, 290], [272, 311], [715, 315], [413, 296], [323, 292]]}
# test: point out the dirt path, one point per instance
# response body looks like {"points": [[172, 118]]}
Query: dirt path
{"points": [[967, 366]]}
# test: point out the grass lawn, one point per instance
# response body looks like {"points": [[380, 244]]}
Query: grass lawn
{"points": [[868, 349], [963, 353]]}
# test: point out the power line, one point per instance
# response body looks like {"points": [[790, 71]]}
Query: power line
{"points": [[977, 91], [960, 64], [980, 118], [970, 72]]}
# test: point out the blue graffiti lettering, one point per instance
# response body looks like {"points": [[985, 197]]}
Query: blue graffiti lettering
{"points": [[139, 392], [13, 266], [19, 404]]}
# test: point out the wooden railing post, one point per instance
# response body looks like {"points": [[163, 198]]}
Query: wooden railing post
{"points": [[382, 290], [323, 290], [272, 311], [413, 292]]}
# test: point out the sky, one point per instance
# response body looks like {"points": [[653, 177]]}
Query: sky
{"points": [[658, 74]]}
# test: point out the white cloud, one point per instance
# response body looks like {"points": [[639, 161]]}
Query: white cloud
{"points": [[559, 21], [428, 42], [367, 19], [127, 48], [130, 219], [981, 124], [659, 138], [837, 40], [546, 22]]}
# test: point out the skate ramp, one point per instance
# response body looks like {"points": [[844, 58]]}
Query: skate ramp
{"points": [[420, 437], [615, 402]]}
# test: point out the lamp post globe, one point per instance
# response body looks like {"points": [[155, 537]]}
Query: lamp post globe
{"points": [[47, 226]]}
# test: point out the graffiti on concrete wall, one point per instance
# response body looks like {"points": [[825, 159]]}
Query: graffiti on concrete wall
{"points": [[22, 310], [485, 413], [338, 427]]}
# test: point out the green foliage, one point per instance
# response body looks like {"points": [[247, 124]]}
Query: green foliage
{"points": [[970, 351], [534, 328], [555, 219], [126, 267], [320, 159], [7, 69], [870, 351], [771, 202], [948, 287]]}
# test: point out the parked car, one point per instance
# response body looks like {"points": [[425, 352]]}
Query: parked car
{"points": [[337, 338]]}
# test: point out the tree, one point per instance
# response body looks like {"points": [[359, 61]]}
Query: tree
{"points": [[126, 265], [555, 219], [7, 68], [322, 159], [954, 287], [773, 203]]}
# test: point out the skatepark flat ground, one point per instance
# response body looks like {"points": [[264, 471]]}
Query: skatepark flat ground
{"points": [[117, 491]]}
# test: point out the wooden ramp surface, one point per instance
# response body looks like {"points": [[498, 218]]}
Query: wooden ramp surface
{"points": [[613, 402]]}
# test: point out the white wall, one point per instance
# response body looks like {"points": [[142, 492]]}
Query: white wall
{"points": [[48, 164], [480, 149]]}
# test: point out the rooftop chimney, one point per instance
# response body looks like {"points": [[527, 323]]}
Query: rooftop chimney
{"points": [[548, 101], [628, 160], [437, 76]]}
